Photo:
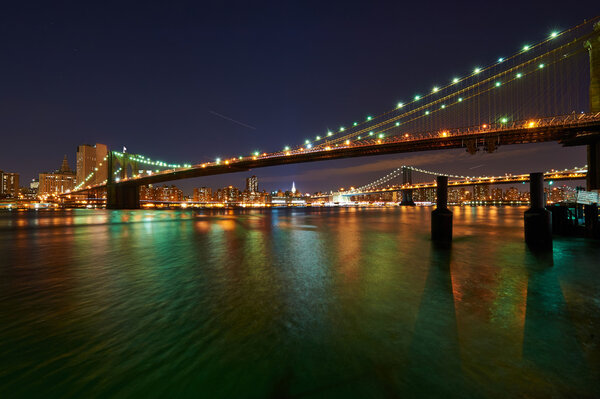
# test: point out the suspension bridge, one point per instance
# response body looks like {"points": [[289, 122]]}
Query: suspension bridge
{"points": [[407, 185], [547, 91]]}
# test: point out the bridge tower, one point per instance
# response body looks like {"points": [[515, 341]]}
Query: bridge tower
{"points": [[120, 195], [407, 195], [593, 148]]}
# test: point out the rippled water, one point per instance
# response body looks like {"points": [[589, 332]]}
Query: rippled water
{"points": [[292, 303]]}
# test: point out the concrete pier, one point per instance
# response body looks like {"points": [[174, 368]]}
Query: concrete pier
{"points": [[122, 196], [407, 198], [441, 217], [538, 220]]}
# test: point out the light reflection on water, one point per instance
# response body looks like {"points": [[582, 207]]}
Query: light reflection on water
{"points": [[292, 303]]}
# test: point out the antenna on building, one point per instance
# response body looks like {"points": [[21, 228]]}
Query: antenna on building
{"points": [[293, 188]]}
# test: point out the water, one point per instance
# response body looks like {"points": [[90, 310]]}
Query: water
{"points": [[292, 303]]}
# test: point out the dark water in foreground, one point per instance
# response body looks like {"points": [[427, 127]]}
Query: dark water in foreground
{"points": [[292, 303]]}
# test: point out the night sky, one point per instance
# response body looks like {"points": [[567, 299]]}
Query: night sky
{"points": [[188, 82]]}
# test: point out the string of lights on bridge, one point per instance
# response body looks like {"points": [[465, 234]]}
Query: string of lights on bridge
{"points": [[398, 171], [341, 139]]}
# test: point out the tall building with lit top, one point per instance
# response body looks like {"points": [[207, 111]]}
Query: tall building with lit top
{"points": [[90, 158], [57, 182], [9, 184]]}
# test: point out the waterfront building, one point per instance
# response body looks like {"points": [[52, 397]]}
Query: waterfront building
{"points": [[168, 193], [497, 194], [57, 182], [512, 194], [228, 194], [9, 184], [481, 192], [202, 194], [90, 160]]}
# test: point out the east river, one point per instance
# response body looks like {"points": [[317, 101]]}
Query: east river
{"points": [[293, 303]]}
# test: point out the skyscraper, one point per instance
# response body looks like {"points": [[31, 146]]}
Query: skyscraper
{"points": [[9, 184], [252, 184], [88, 159]]}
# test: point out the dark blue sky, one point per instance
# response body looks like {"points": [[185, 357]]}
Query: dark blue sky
{"points": [[155, 76]]}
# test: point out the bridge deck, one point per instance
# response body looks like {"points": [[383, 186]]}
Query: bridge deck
{"points": [[576, 129]]}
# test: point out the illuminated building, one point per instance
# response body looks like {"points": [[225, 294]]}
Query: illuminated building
{"points": [[168, 193], [228, 194], [57, 182], [512, 194], [90, 158], [454, 196], [497, 194], [202, 194], [481, 192], [252, 184], [9, 184]]}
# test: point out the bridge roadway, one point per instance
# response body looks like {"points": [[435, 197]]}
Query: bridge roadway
{"points": [[574, 129]]}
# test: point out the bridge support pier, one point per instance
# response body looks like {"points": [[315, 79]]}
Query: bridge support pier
{"points": [[538, 220], [593, 150], [441, 217], [122, 196], [407, 198]]}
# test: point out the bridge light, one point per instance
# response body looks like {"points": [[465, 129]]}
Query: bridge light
{"points": [[498, 84], [347, 142], [476, 70], [342, 128], [417, 97], [551, 182], [370, 133], [455, 80], [355, 123], [397, 123], [405, 134], [526, 47], [309, 146], [380, 135], [443, 106], [519, 75], [553, 35], [218, 160], [287, 148], [435, 89], [484, 126], [500, 59], [460, 99], [329, 133], [400, 105], [359, 137], [504, 120], [306, 141], [318, 137], [426, 112], [369, 118], [541, 66]]}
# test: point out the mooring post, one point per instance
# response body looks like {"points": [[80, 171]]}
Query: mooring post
{"points": [[441, 216], [538, 220]]}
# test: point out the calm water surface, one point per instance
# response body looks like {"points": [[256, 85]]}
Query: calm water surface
{"points": [[292, 303]]}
